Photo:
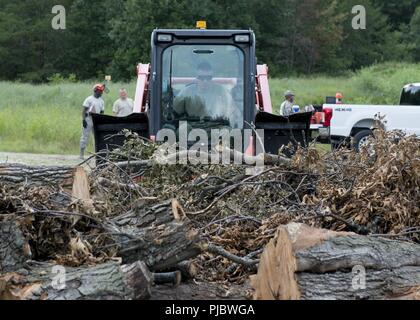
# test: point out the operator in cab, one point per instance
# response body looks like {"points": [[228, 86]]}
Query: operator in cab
{"points": [[205, 99]]}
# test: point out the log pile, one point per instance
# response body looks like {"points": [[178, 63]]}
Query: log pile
{"points": [[134, 228]]}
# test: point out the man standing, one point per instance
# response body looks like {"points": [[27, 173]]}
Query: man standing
{"points": [[92, 104], [123, 107], [286, 108]]}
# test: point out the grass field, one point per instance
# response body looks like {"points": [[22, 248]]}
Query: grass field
{"points": [[47, 118]]}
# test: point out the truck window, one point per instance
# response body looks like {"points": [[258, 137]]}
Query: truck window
{"points": [[410, 96], [203, 84]]}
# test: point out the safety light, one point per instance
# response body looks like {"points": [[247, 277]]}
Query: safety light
{"points": [[201, 25], [242, 38], [164, 38]]}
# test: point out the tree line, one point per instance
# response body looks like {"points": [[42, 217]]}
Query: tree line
{"points": [[112, 36]]}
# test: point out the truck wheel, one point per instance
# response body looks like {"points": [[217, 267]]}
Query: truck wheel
{"points": [[361, 139]]}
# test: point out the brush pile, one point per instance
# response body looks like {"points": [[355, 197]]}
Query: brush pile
{"points": [[146, 224]]}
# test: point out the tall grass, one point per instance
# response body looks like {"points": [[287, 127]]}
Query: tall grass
{"points": [[47, 118], [379, 84]]}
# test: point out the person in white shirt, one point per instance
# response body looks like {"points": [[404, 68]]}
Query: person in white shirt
{"points": [[123, 107], [286, 108], [92, 104]]}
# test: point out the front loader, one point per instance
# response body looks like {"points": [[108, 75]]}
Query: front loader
{"points": [[229, 92]]}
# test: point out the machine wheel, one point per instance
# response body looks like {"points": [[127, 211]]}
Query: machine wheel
{"points": [[361, 139]]}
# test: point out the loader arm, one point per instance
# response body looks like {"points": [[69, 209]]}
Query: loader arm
{"points": [[142, 88], [262, 90]]}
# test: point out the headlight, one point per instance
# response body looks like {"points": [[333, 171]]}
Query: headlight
{"points": [[242, 38], [164, 38]]}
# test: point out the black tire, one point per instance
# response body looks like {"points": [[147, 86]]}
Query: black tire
{"points": [[360, 137]]}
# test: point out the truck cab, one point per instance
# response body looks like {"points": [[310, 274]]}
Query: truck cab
{"points": [[410, 95]]}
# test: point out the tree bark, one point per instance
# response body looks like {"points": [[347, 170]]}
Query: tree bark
{"points": [[161, 247], [110, 281], [308, 263], [14, 249], [17, 173]]}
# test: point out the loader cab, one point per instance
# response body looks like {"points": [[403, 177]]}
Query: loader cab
{"points": [[203, 77]]}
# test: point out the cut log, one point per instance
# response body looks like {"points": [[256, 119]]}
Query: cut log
{"points": [[81, 187], [307, 263], [161, 247], [72, 179], [14, 249], [110, 281], [173, 278], [17, 173], [188, 269]]}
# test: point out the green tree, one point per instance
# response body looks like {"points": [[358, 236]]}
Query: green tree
{"points": [[298, 35], [29, 47], [399, 12], [89, 49], [414, 35], [364, 47], [132, 28]]}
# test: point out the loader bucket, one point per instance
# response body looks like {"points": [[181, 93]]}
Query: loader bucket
{"points": [[107, 130], [281, 131]]}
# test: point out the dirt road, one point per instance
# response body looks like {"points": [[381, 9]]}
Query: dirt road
{"points": [[39, 159]]}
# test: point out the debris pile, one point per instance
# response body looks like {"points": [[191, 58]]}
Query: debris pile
{"points": [[140, 219]]}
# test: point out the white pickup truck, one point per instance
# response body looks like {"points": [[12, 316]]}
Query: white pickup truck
{"points": [[353, 123]]}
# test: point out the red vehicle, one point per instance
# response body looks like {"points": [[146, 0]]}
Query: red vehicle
{"points": [[321, 119]]}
